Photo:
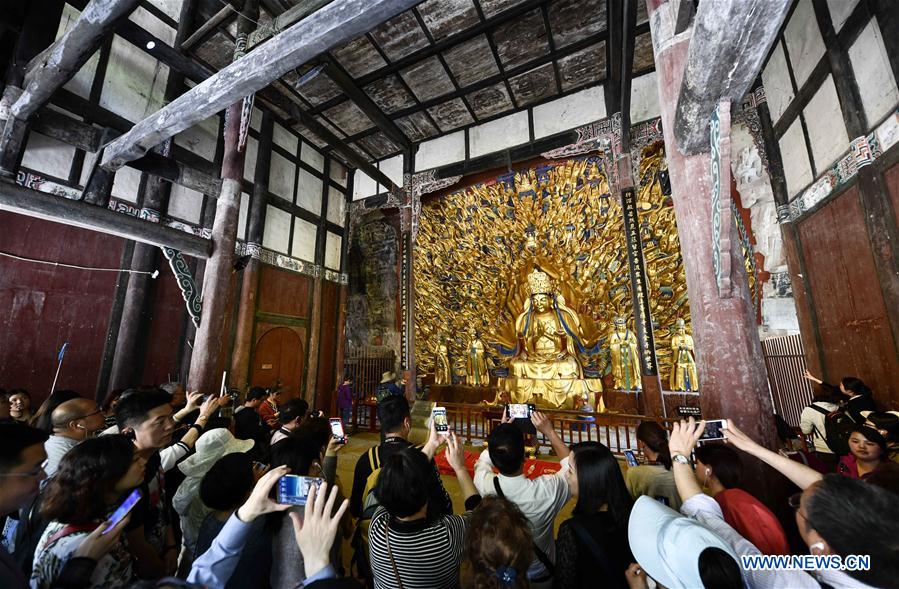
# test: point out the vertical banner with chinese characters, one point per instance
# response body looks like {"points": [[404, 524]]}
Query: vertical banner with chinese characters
{"points": [[639, 286]]}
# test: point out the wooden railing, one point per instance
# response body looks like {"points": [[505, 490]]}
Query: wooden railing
{"points": [[474, 422], [785, 361]]}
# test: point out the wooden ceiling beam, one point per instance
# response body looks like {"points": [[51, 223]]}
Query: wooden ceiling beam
{"points": [[61, 61], [32, 203], [226, 13], [730, 41], [336, 23]]}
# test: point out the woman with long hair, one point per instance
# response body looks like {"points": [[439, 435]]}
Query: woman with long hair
{"points": [[593, 542], [93, 479], [499, 547], [653, 478]]}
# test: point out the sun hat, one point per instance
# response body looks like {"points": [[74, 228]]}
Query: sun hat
{"points": [[667, 544], [387, 377], [211, 446]]}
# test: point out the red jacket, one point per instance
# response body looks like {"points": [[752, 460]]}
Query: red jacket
{"points": [[755, 522]]}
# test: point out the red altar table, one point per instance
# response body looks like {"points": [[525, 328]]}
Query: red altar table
{"points": [[533, 468]]}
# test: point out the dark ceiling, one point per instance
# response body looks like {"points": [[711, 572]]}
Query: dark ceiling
{"points": [[444, 65]]}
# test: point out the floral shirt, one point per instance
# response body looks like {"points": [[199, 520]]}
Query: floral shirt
{"points": [[113, 570]]}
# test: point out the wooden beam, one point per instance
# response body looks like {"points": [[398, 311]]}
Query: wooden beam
{"points": [[31, 203], [285, 20], [168, 55], [364, 102], [352, 156], [178, 173], [209, 26], [337, 23], [64, 128], [62, 60], [731, 39]]}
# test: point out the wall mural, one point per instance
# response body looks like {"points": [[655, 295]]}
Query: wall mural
{"points": [[477, 246]]}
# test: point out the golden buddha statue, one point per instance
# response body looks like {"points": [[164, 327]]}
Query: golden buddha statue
{"points": [[545, 366], [443, 372], [625, 360], [476, 371], [683, 364]]}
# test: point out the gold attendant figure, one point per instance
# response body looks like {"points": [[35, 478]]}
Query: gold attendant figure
{"points": [[477, 374], [625, 360], [683, 367], [443, 373]]}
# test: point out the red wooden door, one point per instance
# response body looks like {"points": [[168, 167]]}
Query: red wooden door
{"points": [[278, 360]]}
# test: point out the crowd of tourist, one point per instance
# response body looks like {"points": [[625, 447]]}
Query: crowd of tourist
{"points": [[202, 489]]}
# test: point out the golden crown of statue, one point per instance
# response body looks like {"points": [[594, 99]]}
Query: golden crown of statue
{"points": [[539, 282]]}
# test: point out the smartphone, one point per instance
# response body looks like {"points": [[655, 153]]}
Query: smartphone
{"points": [[441, 425], [123, 510], [294, 489], [631, 459], [519, 410], [337, 429], [259, 465], [713, 429]]}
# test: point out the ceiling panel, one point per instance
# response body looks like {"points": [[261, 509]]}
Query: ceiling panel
{"points": [[359, 57], [471, 61], [587, 66], [521, 40], [446, 17], [428, 79], [218, 51], [389, 94], [494, 7], [490, 101], [451, 115], [348, 117], [379, 145], [643, 55], [417, 126], [400, 36], [319, 89], [573, 20], [537, 84], [327, 125]]}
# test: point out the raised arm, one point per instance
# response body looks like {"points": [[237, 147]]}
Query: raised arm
{"points": [[455, 456], [544, 425], [683, 439], [801, 475]]}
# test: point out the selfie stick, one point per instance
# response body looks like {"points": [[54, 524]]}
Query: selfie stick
{"points": [[222, 390], [62, 352]]}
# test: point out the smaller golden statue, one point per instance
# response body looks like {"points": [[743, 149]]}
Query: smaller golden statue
{"points": [[476, 372], [625, 360], [443, 372], [683, 365]]}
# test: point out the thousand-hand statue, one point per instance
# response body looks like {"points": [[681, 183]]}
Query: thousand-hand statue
{"points": [[683, 365], [624, 358], [546, 364]]}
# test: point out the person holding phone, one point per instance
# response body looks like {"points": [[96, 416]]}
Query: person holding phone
{"points": [[93, 479], [654, 478]]}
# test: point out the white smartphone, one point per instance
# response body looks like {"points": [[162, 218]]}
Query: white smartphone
{"points": [[294, 489], [441, 425], [520, 410], [713, 429], [337, 429]]}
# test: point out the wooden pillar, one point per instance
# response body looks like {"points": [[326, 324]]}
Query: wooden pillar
{"points": [[315, 326], [243, 341], [211, 340], [731, 367]]}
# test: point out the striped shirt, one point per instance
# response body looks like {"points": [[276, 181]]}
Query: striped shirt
{"points": [[427, 553]]}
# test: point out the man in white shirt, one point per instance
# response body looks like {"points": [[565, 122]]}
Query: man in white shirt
{"points": [[539, 499], [812, 421]]}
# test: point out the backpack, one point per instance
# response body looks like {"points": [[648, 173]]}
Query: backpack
{"points": [[838, 426], [360, 542]]}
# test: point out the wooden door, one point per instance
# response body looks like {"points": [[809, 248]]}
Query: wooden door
{"points": [[278, 360]]}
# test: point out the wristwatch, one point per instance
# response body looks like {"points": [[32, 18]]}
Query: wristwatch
{"points": [[681, 458]]}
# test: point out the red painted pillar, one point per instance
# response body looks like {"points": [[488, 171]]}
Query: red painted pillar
{"points": [[733, 381]]}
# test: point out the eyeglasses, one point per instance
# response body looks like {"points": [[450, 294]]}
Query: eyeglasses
{"points": [[31, 473]]}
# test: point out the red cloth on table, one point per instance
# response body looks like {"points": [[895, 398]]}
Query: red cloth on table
{"points": [[755, 522], [532, 468]]}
